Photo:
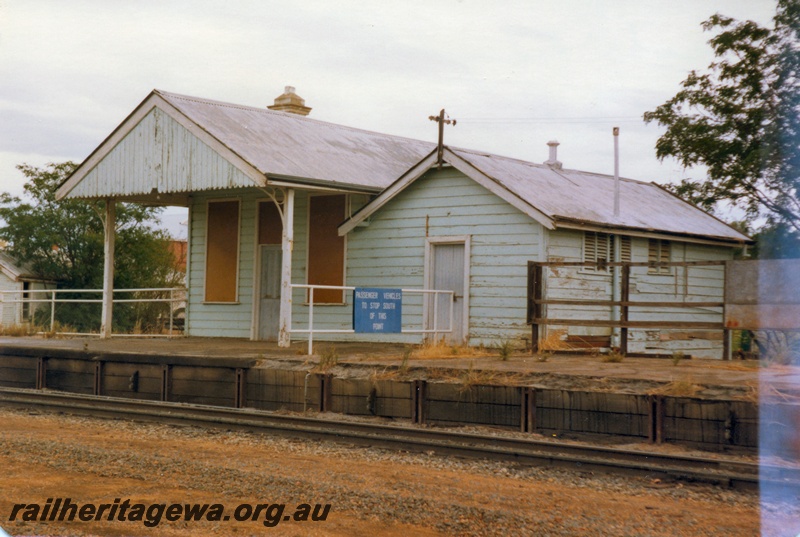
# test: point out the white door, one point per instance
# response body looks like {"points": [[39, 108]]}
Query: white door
{"points": [[269, 292], [447, 273]]}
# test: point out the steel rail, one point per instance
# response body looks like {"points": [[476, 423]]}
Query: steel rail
{"points": [[716, 471]]}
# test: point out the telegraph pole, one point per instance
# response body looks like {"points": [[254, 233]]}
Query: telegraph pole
{"points": [[440, 119]]}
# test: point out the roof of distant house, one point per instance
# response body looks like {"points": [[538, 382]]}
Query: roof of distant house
{"points": [[19, 272]]}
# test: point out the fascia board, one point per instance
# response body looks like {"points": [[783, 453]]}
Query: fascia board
{"points": [[154, 100], [497, 189], [652, 234], [417, 171]]}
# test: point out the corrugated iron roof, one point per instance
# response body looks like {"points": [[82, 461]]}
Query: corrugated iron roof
{"points": [[585, 197], [284, 146], [280, 144], [17, 271]]}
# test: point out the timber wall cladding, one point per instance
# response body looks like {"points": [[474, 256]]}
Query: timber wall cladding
{"points": [[133, 381], [275, 389], [18, 371], [593, 412], [67, 375], [709, 424], [385, 398], [456, 404], [202, 385]]}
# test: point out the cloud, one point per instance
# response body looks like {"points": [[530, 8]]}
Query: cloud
{"points": [[70, 73]]}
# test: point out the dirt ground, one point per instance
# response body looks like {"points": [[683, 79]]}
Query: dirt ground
{"points": [[371, 492]]}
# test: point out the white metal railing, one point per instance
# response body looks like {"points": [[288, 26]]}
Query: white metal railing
{"points": [[176, 296], [311, 331]]}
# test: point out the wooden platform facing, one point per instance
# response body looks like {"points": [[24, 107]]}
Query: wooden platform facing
{"points": [[707, 372], [703, 403]]}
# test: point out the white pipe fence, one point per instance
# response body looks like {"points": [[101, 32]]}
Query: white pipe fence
{"points": [[435, 330], [176, 296]]}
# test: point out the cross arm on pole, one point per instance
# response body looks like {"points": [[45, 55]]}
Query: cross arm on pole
{"points": [[440, 119]]}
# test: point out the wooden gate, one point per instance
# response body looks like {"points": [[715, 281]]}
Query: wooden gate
{"points": [[619, 311]]}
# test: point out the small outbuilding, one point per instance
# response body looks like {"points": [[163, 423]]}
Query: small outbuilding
{"points": [[17, 283], [276, 198]]}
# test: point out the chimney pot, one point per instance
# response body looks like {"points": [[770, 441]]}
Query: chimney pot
{"points": [[553, 161], [290, 102]]}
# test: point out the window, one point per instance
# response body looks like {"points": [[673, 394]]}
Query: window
{"points": [[596, 247], [270, 226], [625, 249], [326, 247], [222, 251], [658, 251], [600, 246]]}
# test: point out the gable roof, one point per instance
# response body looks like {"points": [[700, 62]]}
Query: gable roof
{"points": [[267, 146], [559, 198], [17, 271], [258, 147]]}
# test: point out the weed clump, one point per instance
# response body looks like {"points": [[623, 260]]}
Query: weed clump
{"points": [[677, 357], [613, 356], [328, 358], [505, 349]]}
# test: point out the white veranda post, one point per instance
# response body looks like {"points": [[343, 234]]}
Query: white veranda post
{"points": [[108, 268], [287, 243]]}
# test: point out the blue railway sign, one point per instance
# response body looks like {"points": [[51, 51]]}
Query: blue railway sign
{"points": [[377, 310]]}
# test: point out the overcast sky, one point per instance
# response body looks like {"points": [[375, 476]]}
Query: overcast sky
{"points": [[514, 74]]}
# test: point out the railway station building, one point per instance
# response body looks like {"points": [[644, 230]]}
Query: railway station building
{"points": [[277, 198]]}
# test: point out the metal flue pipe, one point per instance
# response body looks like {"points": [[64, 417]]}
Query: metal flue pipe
{"points": [[616, 171]]}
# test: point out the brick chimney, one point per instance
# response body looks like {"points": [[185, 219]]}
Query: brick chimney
{"points": [[290, 102], [553, 162]]}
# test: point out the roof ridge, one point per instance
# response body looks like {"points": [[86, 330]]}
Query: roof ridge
{"points": [[339, 126], [545, 166], [201, 100]]}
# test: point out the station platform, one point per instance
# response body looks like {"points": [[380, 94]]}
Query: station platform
{"points": [[712, 378]]}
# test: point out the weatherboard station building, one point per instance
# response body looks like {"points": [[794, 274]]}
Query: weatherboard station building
{"points": [[276, 198]]}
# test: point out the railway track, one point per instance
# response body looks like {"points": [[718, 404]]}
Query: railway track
{"points": [[716, 471]]}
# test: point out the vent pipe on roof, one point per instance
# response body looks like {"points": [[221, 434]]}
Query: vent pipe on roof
{"points": [[616, 171], [553, 161], [290, 102]]}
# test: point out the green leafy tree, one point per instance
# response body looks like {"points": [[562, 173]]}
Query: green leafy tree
{"points": [[741, 120], [63, 241]]}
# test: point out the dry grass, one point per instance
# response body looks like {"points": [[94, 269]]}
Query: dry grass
{"points": [[554, 341], [775, 394], [441, 349], [476, 377], [386, 373], [613, 357], [18, 330], [678, 388], [746, 365], [752, 394], [58, 330], [328, 358]]}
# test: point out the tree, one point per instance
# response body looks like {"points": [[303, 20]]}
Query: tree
{"points": [[741, 119], [63, 241]]}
